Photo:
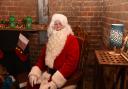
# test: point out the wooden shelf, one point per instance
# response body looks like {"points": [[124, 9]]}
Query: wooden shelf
{"points": [[35, 27], [27, 30]]}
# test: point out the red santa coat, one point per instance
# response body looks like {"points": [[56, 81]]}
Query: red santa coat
{"points": [[65, 63]]}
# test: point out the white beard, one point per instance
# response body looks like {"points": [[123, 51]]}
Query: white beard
{"points": [[55, 45]]}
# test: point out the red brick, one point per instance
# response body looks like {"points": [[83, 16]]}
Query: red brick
{"points": [[86, 13]]}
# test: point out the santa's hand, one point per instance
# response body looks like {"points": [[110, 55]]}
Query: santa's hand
{"points": [[50, 85], [33, 80]]}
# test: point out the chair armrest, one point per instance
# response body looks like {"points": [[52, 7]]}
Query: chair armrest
{"points": [[74, 79]]}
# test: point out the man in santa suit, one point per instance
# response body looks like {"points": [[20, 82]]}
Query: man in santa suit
{"points": [[59, 59]]}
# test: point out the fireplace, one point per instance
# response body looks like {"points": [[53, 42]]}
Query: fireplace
{"points": [[12, 59]]}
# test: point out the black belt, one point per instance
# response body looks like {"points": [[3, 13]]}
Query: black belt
{"points": [[50, 70]]}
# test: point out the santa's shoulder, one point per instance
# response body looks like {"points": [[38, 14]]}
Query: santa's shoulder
{"points": [[72, 37]]}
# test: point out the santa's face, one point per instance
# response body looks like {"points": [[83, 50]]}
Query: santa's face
{"points": [[57, 25]]}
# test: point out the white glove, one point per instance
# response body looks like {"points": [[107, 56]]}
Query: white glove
{"points": [[50, 85], [33, 80]]}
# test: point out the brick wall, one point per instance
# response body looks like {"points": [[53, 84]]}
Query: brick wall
{"points": [[114, 11], [86, 13], [18, 8], [94, 16]]}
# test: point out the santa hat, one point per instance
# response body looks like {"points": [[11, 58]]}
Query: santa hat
{"points": [[62, 18], [64, 21]]}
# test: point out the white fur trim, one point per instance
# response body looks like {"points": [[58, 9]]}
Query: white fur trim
{"points": [[62, 18], [35, 71], [55, 45], [56, 39], [58, 79]]}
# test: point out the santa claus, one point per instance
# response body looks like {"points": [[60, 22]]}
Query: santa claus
{"points": [[59, 59]]}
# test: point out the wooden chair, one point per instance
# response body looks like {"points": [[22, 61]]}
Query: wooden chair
{"points": [[78, 77]]}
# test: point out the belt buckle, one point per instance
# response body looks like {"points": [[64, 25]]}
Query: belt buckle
{"points": [[48, 70]]}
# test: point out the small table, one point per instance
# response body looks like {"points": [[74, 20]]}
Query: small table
{"points": [[106, 59]]}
